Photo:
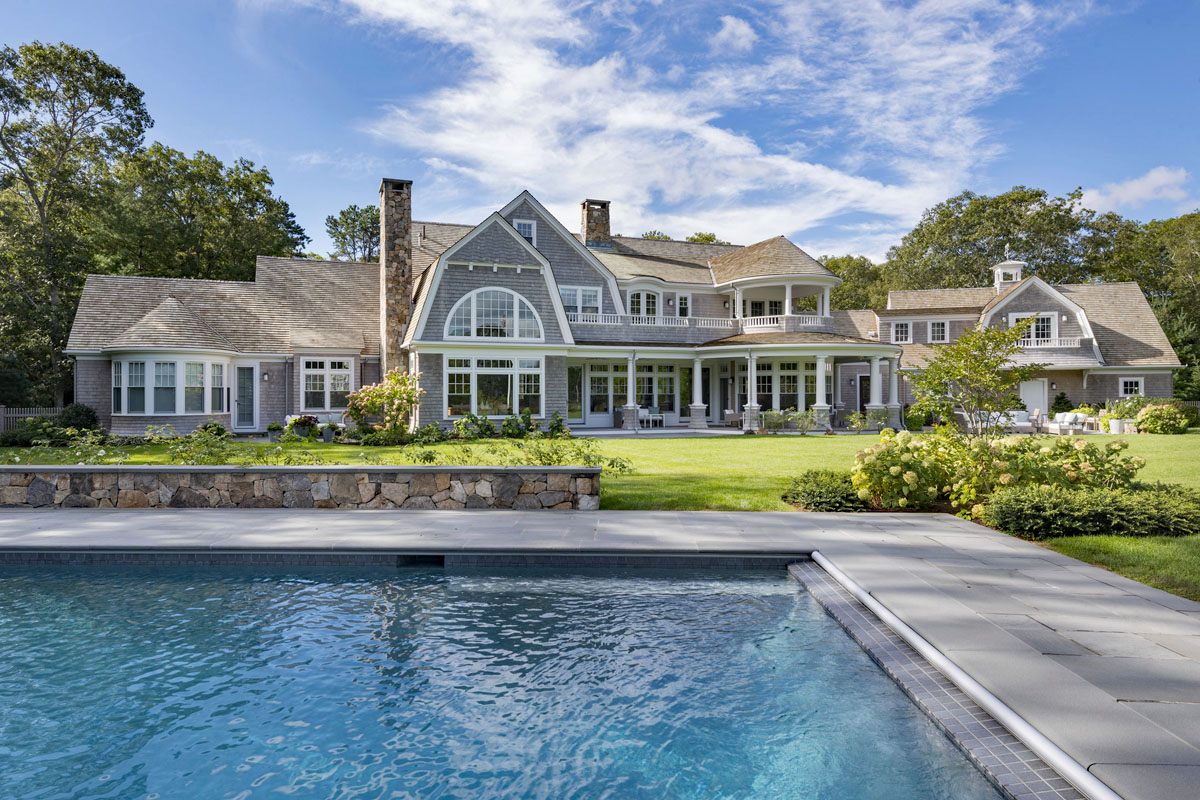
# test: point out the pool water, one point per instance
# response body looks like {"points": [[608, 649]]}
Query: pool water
{"points": [[424, 683]]}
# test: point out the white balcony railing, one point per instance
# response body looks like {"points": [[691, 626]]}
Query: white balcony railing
{"points": [[762, 322], [1049, 343], [773, 322]]}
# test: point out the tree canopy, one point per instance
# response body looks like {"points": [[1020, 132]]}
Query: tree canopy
{"points": [[655, 234], [709, 238], [355, 233]]}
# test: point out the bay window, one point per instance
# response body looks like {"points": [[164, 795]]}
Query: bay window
{"points": [[493, 387], [193, 388], [164, 387]]}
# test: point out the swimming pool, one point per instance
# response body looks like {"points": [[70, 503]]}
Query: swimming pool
{"points": [[429, 683]]}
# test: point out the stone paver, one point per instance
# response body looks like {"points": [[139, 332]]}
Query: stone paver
{"points": [[1106, 667]]}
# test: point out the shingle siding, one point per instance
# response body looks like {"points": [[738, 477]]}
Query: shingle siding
{"points": [[495, 244], [432, 403], [137, 425], [1033, 300], [556, 386], [273, 393], [571, 268], [457, 281], [93, 387]]}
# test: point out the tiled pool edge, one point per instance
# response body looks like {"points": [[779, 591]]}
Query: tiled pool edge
{"points": [[1008, 764]]}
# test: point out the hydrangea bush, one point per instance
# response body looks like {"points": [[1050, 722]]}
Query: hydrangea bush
{"points": [[392, 399], [905, 471], [1162, 418]]}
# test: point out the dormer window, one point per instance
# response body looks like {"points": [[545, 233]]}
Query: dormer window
{"points": [[902, 332], [528, 230], [939, 332]]}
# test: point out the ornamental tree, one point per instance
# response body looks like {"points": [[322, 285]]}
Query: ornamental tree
{"points": [[976, 375], [392, 399]]}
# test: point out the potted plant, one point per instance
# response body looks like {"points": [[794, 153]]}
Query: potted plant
{"points": [[301, 426], [274, 431], [328, 431]]}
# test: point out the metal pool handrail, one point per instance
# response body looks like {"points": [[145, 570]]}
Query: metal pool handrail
{"points": [[1062, 763]]}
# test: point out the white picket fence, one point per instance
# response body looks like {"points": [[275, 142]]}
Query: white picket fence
{"points": [[11, 417]]}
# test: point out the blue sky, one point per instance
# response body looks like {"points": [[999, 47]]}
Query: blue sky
{"points": [[835, 122]]}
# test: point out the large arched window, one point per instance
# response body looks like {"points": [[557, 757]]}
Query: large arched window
{"points": [[494, 313]]}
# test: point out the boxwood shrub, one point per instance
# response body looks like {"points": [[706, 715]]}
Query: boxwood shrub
{"points": [[1043, 512], [824, 490]]}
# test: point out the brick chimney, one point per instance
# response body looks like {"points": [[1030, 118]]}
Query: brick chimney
{"points": [[395, 269], [594, 226]]}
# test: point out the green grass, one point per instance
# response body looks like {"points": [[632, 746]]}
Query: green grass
{"points": [[1170, 563]]}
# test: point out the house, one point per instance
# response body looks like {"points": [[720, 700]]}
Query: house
{"points": [[1099, 341], [518, 312]]}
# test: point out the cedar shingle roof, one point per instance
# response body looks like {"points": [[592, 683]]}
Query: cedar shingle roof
{"points": [[860, 324], [431, 239], [976, 297], [912, 312], [775, 256], [331, 300], [629, 266]]}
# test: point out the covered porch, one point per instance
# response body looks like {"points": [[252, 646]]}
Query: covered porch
{"points": [[726, 385]]}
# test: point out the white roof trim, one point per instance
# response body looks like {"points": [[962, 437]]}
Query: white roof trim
{"points": [[1075, 308], [588, 255], [547, 273]]}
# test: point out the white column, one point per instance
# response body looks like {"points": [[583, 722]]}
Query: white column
{"points": [[697, 407], [787, 303], [820, 407], [630, 422], [825, 302], [894, 392], [737, 303], [751, 409], [876, 387]]}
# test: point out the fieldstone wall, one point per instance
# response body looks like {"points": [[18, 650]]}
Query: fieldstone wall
{"points": [[301, 487]]}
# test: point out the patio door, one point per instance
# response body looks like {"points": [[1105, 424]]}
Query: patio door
{"points": [[244, 412], [599, 408], [1034, 396], [864, 392]]}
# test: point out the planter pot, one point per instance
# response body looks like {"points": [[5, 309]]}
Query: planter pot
{"points": [[274, 435], [301, 430], [327, 434], [1116, 426]]}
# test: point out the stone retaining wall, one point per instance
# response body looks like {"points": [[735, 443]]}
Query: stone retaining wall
{"points": [[301, 487]]}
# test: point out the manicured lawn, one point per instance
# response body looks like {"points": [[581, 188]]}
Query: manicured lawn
{"points": [[1166, 562]]}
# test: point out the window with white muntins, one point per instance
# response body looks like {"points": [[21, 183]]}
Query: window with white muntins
{"points": [[939, 332], [902, 332], [494, 313], [1131, 387], [493, 387], [528, 230], [326, 383]]}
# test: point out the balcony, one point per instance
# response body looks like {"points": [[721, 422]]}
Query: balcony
{"points": [[1036, 343], [692, 329]]}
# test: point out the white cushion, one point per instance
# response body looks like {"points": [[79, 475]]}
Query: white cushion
{"points": [[1060, 417], [1079, 418], [1021, 416]]}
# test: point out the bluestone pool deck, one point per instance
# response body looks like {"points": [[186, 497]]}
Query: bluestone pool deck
{"points": [[1107, 668]]}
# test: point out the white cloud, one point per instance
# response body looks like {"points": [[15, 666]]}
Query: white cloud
{"points": [[868, 107], [345, 162], [1159, 183], [736, 36]]}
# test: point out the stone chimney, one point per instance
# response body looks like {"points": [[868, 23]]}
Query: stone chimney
{"points": [[395, 269], [594, 226]]}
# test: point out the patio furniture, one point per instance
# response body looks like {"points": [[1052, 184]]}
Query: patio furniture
{"points": [[733, 419], [1066, 422], [648, 416], [328, 418], [656, 414], [1020, 421]]}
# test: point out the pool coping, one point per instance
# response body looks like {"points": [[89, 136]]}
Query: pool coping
{"points": [[1107, 668]]}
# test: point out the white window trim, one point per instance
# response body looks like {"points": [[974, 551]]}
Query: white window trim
{"points": [[907, 336], [518, 298], [929, 331], [1018, 316], [533, 224], [1141, 381], [578, 290], [515, 371], [681, 296], [658, 302], [328, 372], [148, 380]]}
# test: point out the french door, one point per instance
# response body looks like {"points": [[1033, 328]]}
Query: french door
{"points": [[245, 416]]}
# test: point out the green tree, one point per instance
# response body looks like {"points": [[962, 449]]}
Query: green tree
{"points": [[63, 114], [355, 233], [709, 238], [655, 234], [170, 215], [958, 241], [862, 282], [975, 375]]}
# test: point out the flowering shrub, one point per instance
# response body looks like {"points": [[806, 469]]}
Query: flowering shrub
{"points": [[393, 399], [1161, 419], [904, 471]]}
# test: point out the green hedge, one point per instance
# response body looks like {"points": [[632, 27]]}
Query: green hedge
{"points": [[1043, 512], [824, 490]]}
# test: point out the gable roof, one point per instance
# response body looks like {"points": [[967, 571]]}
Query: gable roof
{"points": [[430, 240], [776, 256]]}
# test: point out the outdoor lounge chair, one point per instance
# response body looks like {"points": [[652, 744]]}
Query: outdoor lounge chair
{"points": [[733, 419], [1067, 422]]}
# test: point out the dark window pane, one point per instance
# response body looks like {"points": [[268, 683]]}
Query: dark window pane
{"points": [[493, 396]]}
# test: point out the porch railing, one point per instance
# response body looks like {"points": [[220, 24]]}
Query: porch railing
{"points": [[1049, 342], [773, 322], [762, 322]]}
